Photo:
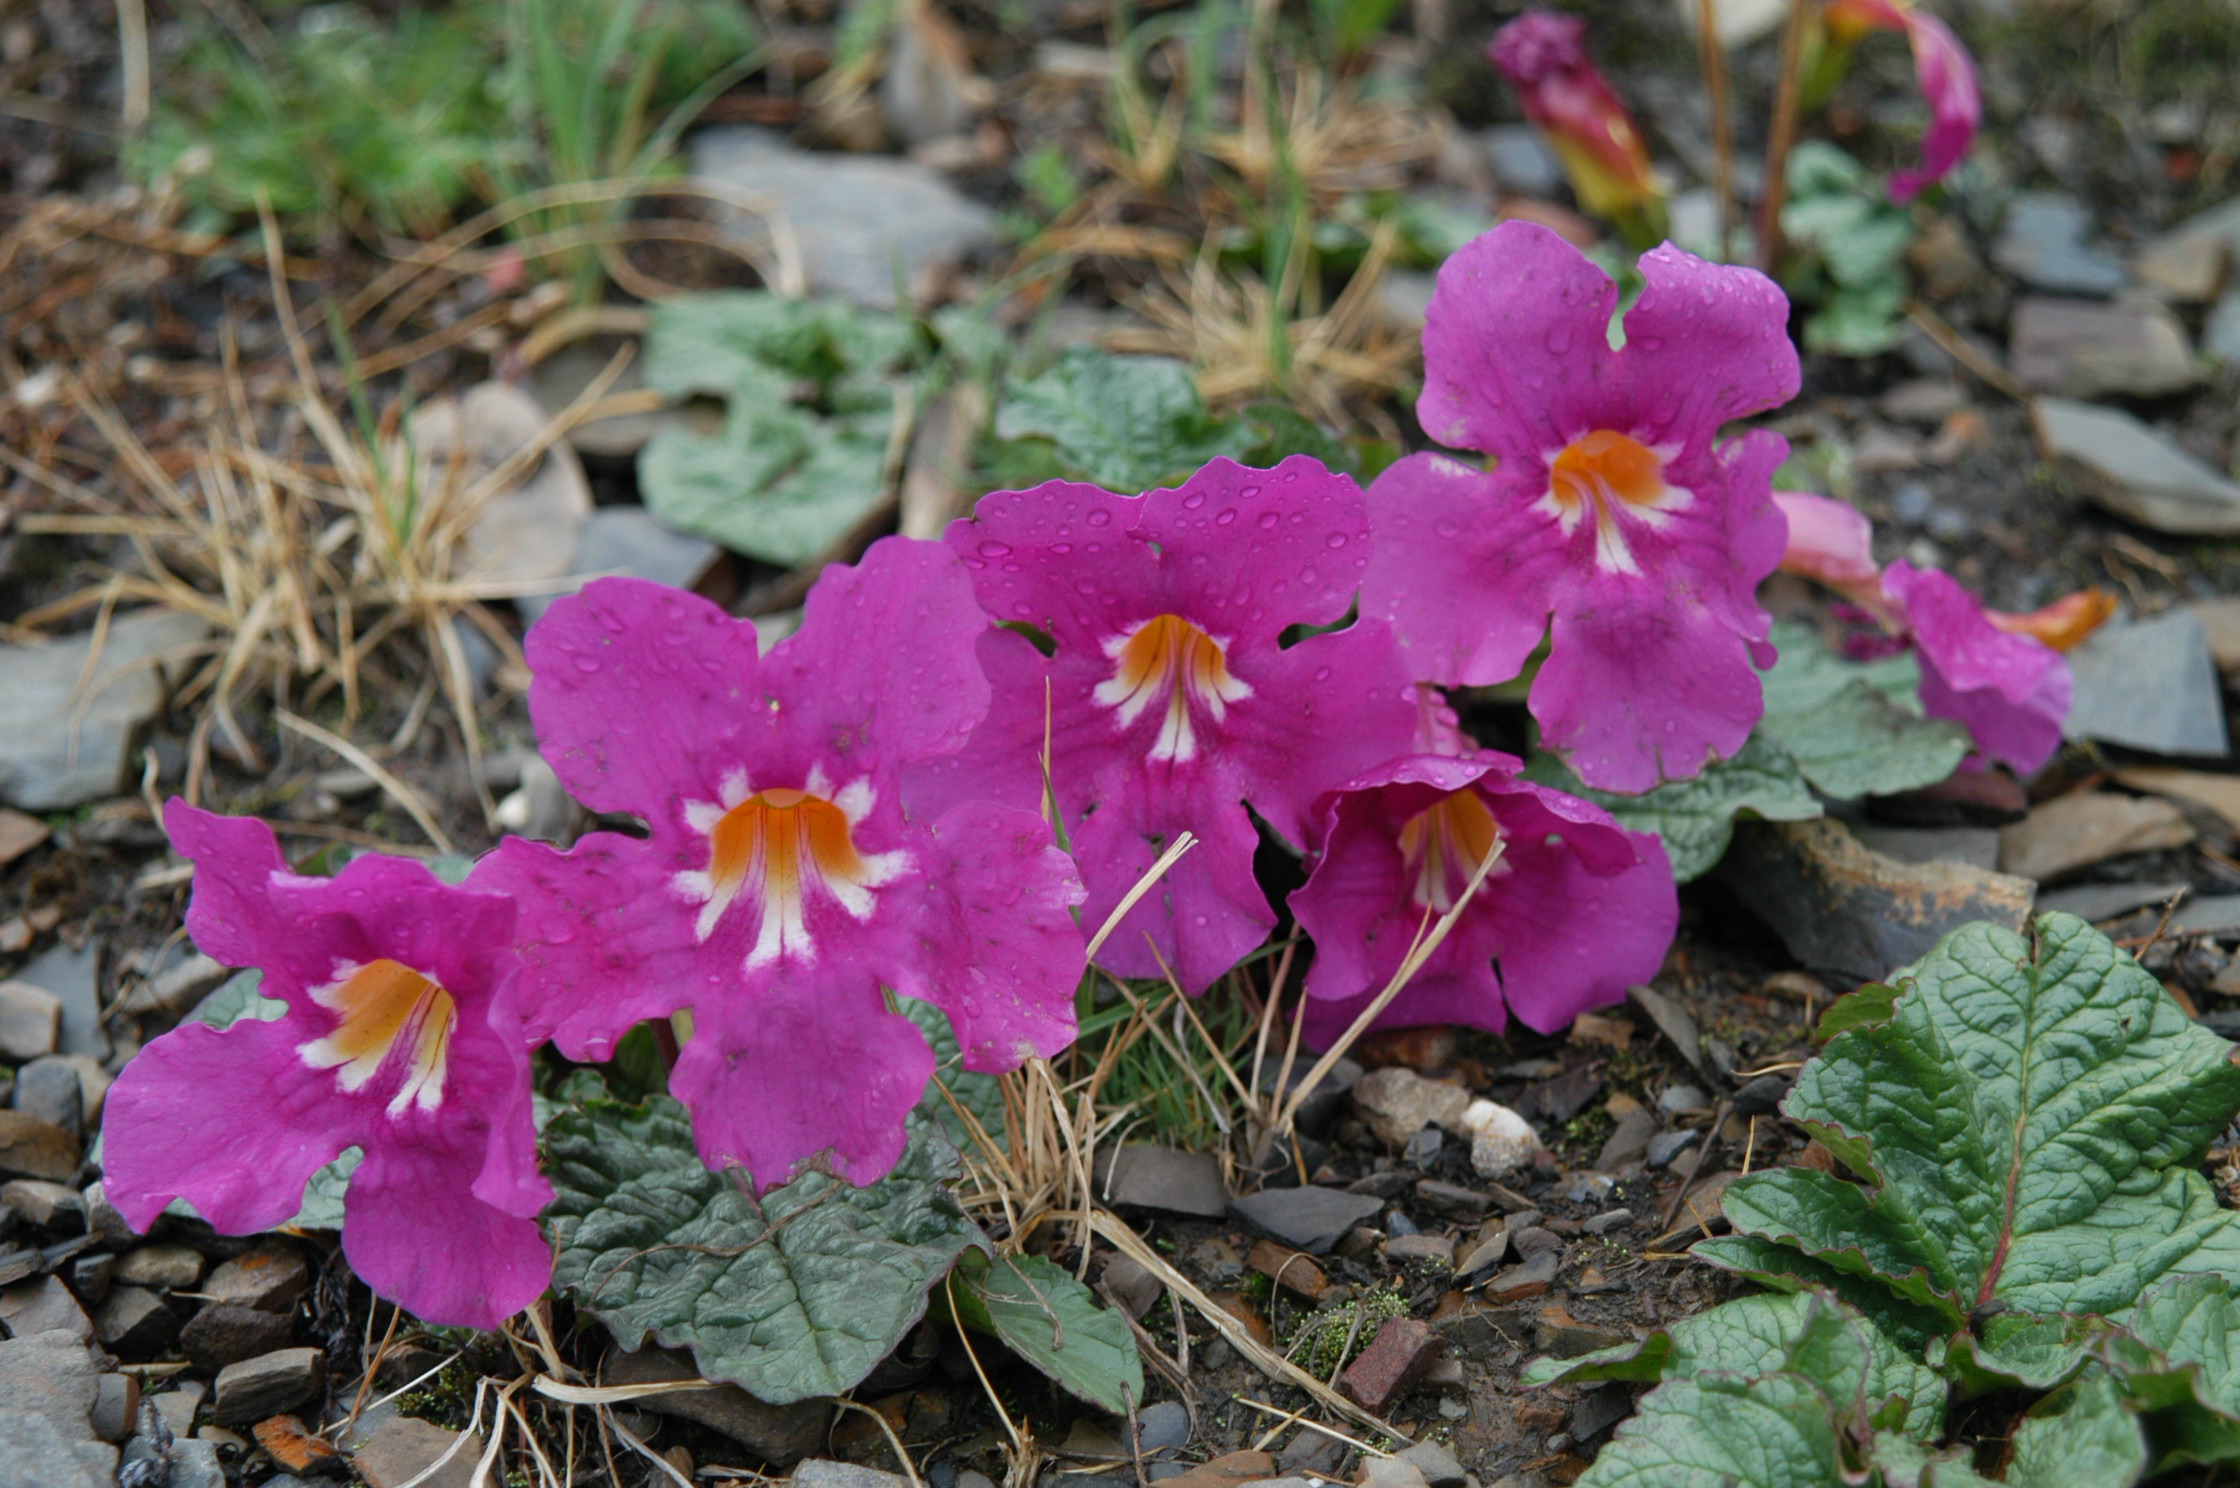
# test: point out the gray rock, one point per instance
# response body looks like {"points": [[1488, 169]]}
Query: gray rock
{"points": [[406, 1447], [1434, 1250], [1843, 909], [1164, 1427], [852, 216], [59, 748], [630, 542], [822, 1472], [72, 974], [91, 1276], [2220, 333], [103, 1219], [165, 1267], [259, 1387], [43, 1306], [2086, 827], [2106, 901], [1676, 1098], [1978, 847], [779, 1434], [1309, 1218], [1163, 1178], [30, 1020], [1665, 1146], [135, 1323], [50, 1090], [1309, 1454], [1324, 1102], [568, 373], [195, 1464], [2042, 243], [1440, 1467], [1521, 160], [32, 1148], [49, 1205], [2150, 684], [1130, 1283], [50, 1374], [269, 1278], [1397, 1103], [2220, 620], [220, 1335], [2133, 471], [1390, 1472], [2132, 348], [1404, 297], [177, 1406], [116, 1406], [1628, 1143], [35, 1453], [2188, 262]]}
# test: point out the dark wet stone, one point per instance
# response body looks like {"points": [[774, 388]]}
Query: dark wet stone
{"points": [[1311, 1218]]}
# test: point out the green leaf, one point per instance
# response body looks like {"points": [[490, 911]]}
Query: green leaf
{"points": [[1696, 817], [800, 1295], [2081, 1436], [800, 461], [1909, 1325], [777, 484], [1811, 1334], [2022, 1126], [2188, 1330], [1855, 730], [979, 1094], [236, 998], [1722, 1431], [1052, 1321], [1127, 423]]}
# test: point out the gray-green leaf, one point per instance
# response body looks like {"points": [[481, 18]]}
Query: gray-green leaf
{"points": [[1127, 423], [1855, 730], [1722, 1431], [799, 1296], [2022, 1122], [1696, 817], [1053, 1322]]}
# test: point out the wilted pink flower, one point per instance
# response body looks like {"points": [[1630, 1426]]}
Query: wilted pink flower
{"points": [[1170, 701], [1947, 76], [1833, 542], [400, 1038], [785, 879], [1543, 54], [1613, 506], [1575, 910], [2010, 691]]}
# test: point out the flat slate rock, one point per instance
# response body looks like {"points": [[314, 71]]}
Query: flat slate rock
{"points": [[2133, 471], [405, 1447], [630, 542], [1843, 909], [2149, 684], [2087, 827], [1163, 1178], [72, 974], [2042, 243], [2132, 348], [1978, 847], [50, 1374], [2188, 262], [779, 1434], [2106, 901], [36, 1453], [46, 766], [853, 216], [1311, 1219]]}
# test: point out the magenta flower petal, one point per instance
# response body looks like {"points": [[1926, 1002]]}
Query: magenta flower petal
{"points": [[2010, 691], [400, 1038], [1465, 569], [407, 1235], [805, 1068], [1613, 507], [782, 881], [1169, 702], [174, 1127], [1575, 910], [997, 918], [1948, 85]]}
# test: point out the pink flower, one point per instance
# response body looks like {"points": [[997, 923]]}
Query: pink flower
{"points": [[785, 879], [1947, 77], [1544, 56], [1612, 507], [1170, 700], [1576, 909], [2010, 691], [400, 1038]]}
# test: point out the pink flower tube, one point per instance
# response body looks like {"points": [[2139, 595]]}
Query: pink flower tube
{"points": [[400, 1038], [1543, 54], [786, 878], [1614, 521]]}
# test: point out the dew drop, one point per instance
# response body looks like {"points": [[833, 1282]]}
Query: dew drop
{"points": [[1337, 539], [1268, 521], [993, 549], [1228, 515], [1098, 517]]}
